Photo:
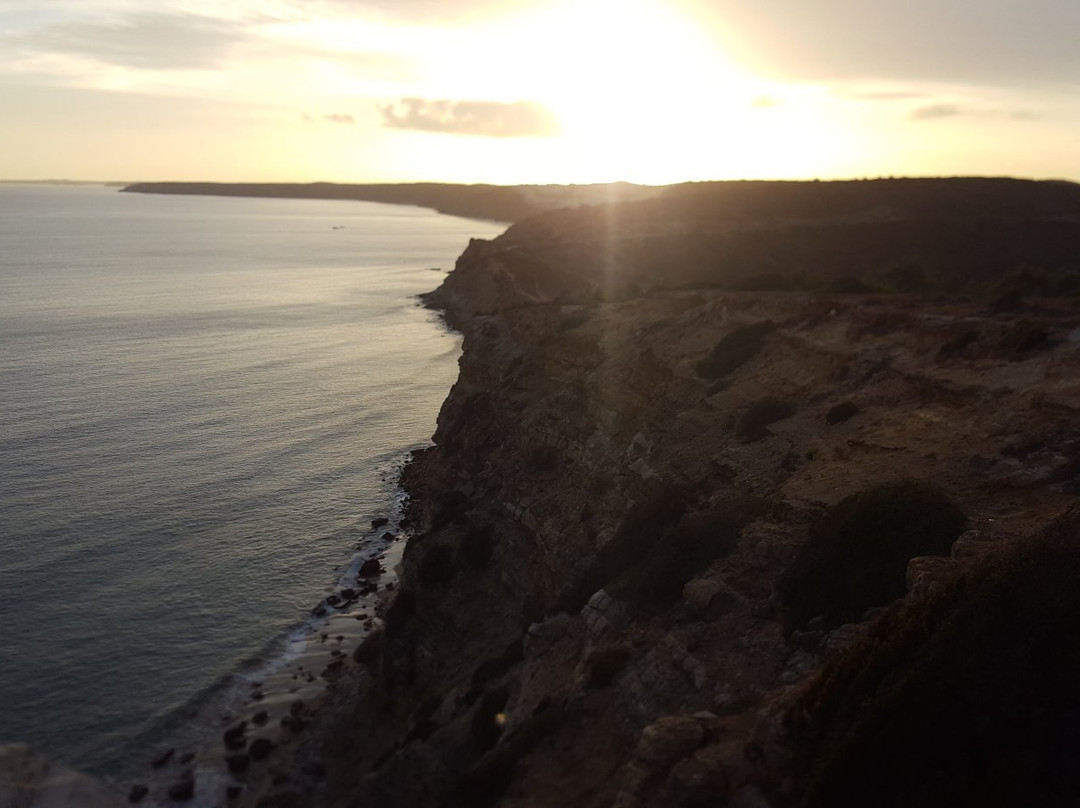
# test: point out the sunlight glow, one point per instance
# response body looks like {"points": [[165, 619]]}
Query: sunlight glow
{"points": [[642, 93]]}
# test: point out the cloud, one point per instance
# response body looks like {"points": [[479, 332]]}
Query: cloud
{"points": [[986, 42], [487, 118], [427, 12], [932, 111], [339, 117], [143, 40], [883, 95]]}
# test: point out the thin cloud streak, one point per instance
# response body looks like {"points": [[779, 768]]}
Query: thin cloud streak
{"points": [[483, 118], [145, 41]]}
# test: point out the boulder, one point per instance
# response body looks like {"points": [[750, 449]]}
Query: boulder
{"points": [[260, 748], [709, 598], [182, 790], [371, 568], [138, 791]]}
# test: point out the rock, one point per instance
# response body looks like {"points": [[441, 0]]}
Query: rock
{"points": [[163, 758], [382, 521], [371, 568], [697, 782], [138, 791], [186, 758], [233, 791], [332, 600], [182, 790], [234, 736], [297, 707], [709, 599], [349, 594], [668, 740], [260, 718], [260, 748], [27, 778], [749, 797], [237, 762], [924, 572], [292, 723]]}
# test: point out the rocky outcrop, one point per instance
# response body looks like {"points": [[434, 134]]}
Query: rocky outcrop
{"points": [[28, 780], [593, 608]]}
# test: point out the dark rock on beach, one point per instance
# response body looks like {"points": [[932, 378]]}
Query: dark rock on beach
{"points": [[371, 568], [137, 792], [182, 790]]}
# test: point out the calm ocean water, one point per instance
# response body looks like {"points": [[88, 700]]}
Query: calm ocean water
{"points": [[203, 404]]}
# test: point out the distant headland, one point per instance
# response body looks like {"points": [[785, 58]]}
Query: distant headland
{"points": [[500, 203]]}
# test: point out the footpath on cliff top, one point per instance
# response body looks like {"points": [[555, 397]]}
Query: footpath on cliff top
{"points": [[748, 494]]}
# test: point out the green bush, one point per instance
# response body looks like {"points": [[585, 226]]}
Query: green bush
{"points": [[857, 556], [966, 698], [752, 424], [734, 350]]}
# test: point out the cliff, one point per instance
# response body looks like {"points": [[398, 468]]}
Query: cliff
{"points": [[758, 500], [501, 203]]}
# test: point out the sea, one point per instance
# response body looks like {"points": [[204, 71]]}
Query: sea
{"points": [[204, 403]]}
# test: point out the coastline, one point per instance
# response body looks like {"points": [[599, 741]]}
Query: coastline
{"points": [[496, 203], [592, 606], [601, 600]]}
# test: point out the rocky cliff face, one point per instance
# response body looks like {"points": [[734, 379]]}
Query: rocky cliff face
{"points": [[669, 526]]}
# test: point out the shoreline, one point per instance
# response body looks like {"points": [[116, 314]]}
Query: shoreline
{"points": [[266, 708]]}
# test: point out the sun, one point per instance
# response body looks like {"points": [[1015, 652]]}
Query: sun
{"points": [[642, 93]]}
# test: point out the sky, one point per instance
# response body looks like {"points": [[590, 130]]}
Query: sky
{"points": [[537, 91]]}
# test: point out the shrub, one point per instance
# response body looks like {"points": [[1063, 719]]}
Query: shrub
{"points": [[477, 547], [1023, 337], [966, 698], [841, 412], [857, 556], [437, 567], [734, 350], [958, 343], [543, 459], [848, 285], [694, 543], [400, 613], [641, 527], [752, 424], [494, 668], [485, 728], [604, 664]]}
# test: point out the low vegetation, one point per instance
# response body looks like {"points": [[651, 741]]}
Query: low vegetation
{"points": [[684, 552], [965, 698], [643, 525], [857, 556], [752, 424], [734, 350]]}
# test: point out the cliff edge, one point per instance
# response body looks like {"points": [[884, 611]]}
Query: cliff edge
{"points": [[760, 495]]}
